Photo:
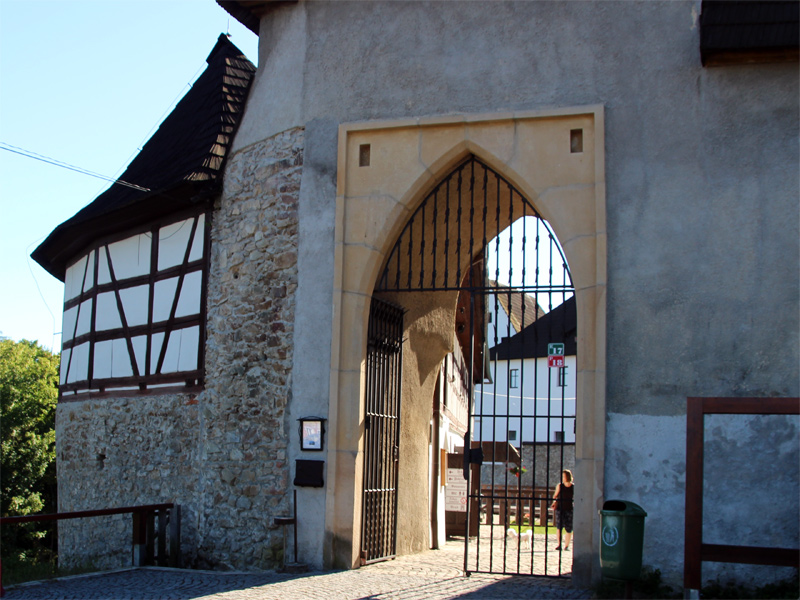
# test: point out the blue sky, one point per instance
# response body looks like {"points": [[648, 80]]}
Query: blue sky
{"points": [[85, 83]]}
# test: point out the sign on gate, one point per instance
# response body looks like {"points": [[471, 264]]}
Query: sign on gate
{"points": [[555, 355], [455, 493]]}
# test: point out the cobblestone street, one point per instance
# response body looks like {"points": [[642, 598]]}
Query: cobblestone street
{"points": [[436, 574]]}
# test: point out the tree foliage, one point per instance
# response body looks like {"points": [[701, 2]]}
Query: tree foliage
{"points": [[28, 396]]}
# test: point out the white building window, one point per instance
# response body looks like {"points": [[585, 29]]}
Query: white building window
{"points": [[562, 377], [513, 378]]}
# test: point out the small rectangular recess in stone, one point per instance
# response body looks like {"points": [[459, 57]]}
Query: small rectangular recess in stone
{"points": [[363, 155], [576, 140]]}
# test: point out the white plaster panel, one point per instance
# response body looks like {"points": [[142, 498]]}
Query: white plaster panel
{"points": [[68, 323], [120, 359], [107, 316], [88, 279], [173, 353], [189, 343], [199, 239], [131, 257], [172, 243], [164, 296], [140, 352], [73, 278], [79, 365], [134, 303], [191, 293], [84, 317], [103, 353], [155, 349], [103, 272], [62, 376]]}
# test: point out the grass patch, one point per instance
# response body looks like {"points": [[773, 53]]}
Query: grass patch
{"points": [[537, 530], [18, 570]]}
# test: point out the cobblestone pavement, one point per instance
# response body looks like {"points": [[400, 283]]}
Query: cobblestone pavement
{"points": [[435, 575]]}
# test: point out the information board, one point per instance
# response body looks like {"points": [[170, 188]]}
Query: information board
{"points": [[455, 492]]}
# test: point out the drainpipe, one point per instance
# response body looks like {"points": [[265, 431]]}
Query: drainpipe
{"points": [[435, 444]]}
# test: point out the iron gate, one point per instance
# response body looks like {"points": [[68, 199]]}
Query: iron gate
{"points": [[476, 235], [382, 431]]}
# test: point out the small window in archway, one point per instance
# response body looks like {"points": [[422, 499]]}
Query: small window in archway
{"points": [[363, 155], [576, 141]]}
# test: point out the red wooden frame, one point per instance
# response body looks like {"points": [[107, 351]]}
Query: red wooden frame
{"points": [[695, 551]]}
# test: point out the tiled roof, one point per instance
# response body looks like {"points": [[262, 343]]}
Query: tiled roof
{"points": [[557, 326], [512, 305], [749, 31], [181, 164]]}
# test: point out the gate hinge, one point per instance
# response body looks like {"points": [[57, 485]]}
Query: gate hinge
{"points": [[476, 456], [472, 456]]}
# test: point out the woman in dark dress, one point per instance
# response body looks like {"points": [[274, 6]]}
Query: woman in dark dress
{"points": [[562, 508]]}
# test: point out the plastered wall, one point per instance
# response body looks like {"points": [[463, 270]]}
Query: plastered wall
{"points": [[701, 216]]}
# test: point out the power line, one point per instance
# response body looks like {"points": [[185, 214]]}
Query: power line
{"points": [[63, 165]]}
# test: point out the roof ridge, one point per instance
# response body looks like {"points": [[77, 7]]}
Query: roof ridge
{"points": [[188, 148]]}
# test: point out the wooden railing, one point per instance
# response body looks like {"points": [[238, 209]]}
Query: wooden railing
{"points": [[695, 551], [153, 525], [518, 501]]}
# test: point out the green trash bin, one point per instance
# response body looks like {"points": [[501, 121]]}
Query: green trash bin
{"points": [[621, 539]]}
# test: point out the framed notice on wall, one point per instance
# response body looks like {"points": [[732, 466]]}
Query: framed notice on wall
{"points": [[312, 433]]}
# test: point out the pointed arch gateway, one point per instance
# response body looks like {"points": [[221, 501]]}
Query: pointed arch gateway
{"points": [[480, 247], [418, 174]]}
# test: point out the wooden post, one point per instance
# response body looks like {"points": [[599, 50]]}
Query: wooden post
{"points": [[693, 511], [175, 537], [139, 540], [543, 508], [162, 538], [150, 529], [295, 526]]}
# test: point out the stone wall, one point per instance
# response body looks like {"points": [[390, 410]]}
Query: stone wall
{"points": [[535, 458], [220, 454], [251, 297], [117, 452]]}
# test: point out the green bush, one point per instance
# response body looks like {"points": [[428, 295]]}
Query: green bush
{"points": [[28, 397]]}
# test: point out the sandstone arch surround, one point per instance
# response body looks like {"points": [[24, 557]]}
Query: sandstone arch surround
{"points": [[406, 158]]}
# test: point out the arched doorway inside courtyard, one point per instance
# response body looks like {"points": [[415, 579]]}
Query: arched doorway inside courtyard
{"points": [[477, 289]]}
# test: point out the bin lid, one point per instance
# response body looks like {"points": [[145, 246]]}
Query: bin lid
{"points": [[622, 507]]}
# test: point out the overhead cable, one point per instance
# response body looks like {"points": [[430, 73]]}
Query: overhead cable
{"points": [[63, 165]]}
